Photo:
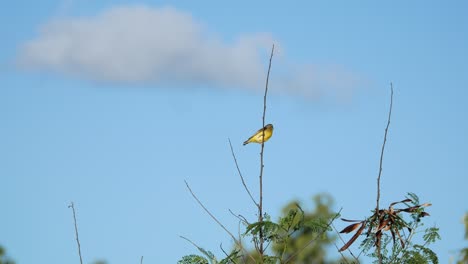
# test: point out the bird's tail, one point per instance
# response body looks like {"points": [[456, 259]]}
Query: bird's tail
{"points": [[246, 142]]}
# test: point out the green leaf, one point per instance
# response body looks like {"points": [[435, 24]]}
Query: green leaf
{"points": [[193, 259], [431, 235], [235, 255], [414, 198]]}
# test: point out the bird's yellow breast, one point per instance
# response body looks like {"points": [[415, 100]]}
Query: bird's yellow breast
{"points": [[261, 135]]}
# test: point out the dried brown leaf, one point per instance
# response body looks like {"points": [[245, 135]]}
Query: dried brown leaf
{"points": [[423, 214], [382, 224], [401, 239], [393, 235], [402, 201], [356, 235], [347, 220], [351, 228]]}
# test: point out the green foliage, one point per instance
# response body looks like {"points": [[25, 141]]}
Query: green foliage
{"points": [[390, 232], [196, 259], [231, 258], [463, 257], [3, 258], [100, 262], [419, 255], [270, 230], [305, 238], [431, 235], [193, 259], [297, 237], [465, 222]]}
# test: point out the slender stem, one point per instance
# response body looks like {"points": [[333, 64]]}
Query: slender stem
{"points": [[260, 205], [72, 206], [210, 214], [380, 166], [227, 255], [141, 260], [240, 174], [342, 240]]}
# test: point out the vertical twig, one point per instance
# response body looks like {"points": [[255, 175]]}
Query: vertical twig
{"points": [[72, 206], [380, 166], [260, 204], [141, 260]]}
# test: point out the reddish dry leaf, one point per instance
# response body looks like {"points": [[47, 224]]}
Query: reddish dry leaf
{"points": [[401, 239], [356, 235], [383, 224], [386, 220], [410, 209], [393, 235], [347, 220], [351, 228], [378, 238], [403, 201]]}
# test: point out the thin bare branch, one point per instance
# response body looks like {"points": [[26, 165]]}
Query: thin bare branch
{"points": [[240, 217], [342, 240], [260, 205], [240, 174], [383, 147], [341, 253], [141, 260], [225, 253], [381, 161], [193, 243], [209, 213], [72, 206]]}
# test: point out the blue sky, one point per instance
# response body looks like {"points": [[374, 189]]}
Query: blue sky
{"points": [[113, 104]]}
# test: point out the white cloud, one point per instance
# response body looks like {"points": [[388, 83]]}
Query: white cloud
{"points": [[139, 44]]}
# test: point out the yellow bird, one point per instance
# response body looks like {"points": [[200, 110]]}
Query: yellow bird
{"points": [[260, 135]]}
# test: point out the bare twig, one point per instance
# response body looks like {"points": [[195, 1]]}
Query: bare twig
{"points": [[238, 243], [342, 240], [240, 217], [341, 253], [191, 242], [380, 165], [241, 220], [72, 206], [227, 255], [240, 174], [260, 205], [141, 260], [383, 147], [313, 240], [210, 214]]}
